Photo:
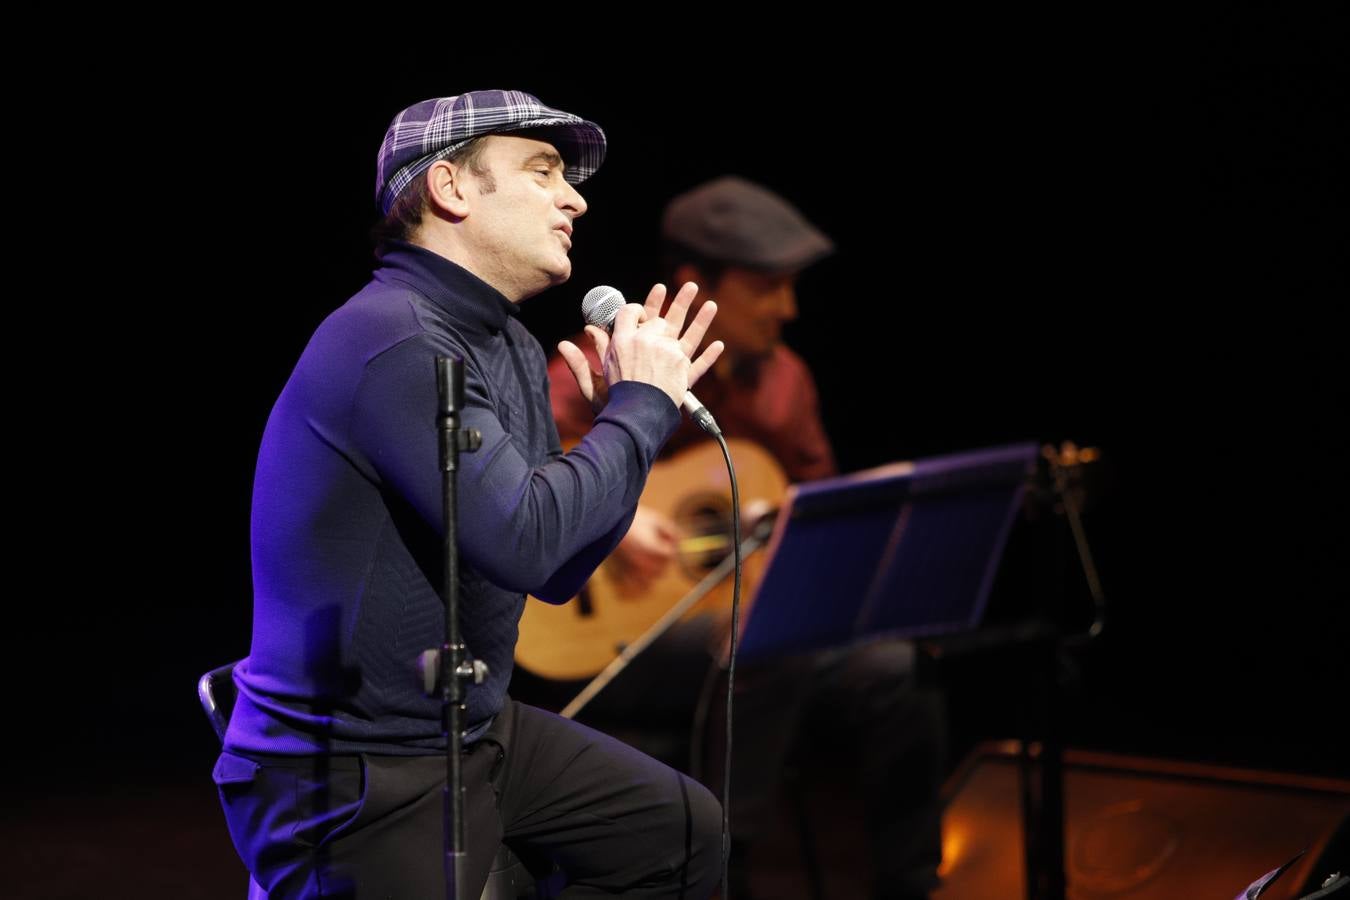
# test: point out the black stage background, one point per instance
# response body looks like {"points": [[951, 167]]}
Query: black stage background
{"points": [[1117, 237]]}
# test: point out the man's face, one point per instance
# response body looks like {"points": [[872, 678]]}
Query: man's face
{"points": [[752, 308], [520, 215]]}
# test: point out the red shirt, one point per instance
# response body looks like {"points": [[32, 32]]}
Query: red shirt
{"points": [[772, 402]]}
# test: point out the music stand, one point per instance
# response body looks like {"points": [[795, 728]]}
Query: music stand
{"points": [[908, 550], [905, 550]]}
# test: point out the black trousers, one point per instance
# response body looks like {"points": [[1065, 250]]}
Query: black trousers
{"points": [[616, 821]]}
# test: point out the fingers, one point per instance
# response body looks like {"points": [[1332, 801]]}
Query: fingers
{"points": [[675, 316], [599, 340], [666, 531], [705, 361], [626, 320], [679, 307], [580, 367], [656, 298], [698, 328]]}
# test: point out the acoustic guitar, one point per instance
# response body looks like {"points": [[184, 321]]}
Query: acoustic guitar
{"points": [[579, 638]]}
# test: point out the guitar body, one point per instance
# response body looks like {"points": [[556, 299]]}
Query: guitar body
{"points": [[579, 638]]}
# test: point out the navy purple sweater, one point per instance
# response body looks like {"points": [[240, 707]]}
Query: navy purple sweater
{"points": [[346, 525]]}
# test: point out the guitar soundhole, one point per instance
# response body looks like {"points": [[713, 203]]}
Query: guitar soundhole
{"points": [[705, 528]]}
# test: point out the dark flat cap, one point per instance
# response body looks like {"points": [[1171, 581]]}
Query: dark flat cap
{"points": [[732, 220]]}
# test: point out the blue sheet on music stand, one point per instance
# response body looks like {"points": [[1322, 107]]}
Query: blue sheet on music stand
{"points": [[909, 550]]}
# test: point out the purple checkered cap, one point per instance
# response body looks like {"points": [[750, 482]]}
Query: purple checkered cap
{"points": [[433, 129]]}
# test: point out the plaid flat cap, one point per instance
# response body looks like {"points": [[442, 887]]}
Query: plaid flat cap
{"points": [[433, 129], [732, 220]]}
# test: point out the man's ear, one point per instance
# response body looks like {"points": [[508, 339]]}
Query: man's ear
{"points": [[446, 183]]}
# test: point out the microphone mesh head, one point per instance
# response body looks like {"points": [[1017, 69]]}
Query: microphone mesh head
{"points": [[601, 304]]}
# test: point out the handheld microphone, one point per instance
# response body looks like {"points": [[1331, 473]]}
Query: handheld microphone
{"points": [[599, 307]]}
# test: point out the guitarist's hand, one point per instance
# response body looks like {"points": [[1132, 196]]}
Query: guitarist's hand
{"points": [[646, 549]]}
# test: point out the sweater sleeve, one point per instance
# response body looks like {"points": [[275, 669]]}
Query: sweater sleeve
{"points": [[534, 529]]}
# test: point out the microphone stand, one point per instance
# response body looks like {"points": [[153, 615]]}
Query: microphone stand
{"points": [[446, 670]]}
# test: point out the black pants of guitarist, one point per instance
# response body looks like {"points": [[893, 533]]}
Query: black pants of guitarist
{"points": [[857, 709], [617, 822], [860, 708]]}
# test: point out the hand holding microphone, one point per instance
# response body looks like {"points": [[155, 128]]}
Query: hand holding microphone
{"points": [[636, 343]]}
